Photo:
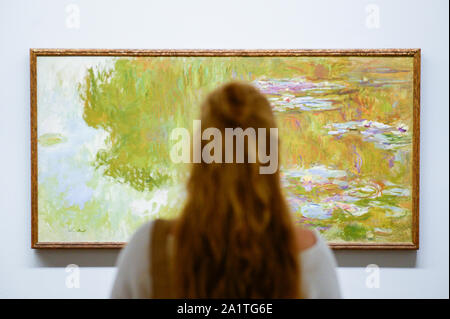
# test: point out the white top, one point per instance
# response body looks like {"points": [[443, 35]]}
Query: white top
{"points": [[133, 280]]}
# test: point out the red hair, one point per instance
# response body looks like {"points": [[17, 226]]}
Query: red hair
{"points": [[235, 237]]}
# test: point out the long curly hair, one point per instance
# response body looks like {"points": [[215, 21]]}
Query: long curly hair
{"points": [[235, 237]]}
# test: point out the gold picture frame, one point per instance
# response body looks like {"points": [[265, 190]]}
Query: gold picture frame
{"points": [[414, 53]]}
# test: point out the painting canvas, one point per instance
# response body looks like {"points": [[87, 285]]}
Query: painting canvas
{"points": [[101, 120]]}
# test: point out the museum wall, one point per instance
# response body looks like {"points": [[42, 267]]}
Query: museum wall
{"points": [[27, 273]]}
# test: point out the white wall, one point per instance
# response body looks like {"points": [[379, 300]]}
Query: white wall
{"points": [[221, 24]]}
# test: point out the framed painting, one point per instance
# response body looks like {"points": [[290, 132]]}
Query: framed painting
{"points": [[101, 119]]}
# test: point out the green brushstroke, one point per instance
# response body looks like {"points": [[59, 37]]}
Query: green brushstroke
{"points": [[50, 139]]}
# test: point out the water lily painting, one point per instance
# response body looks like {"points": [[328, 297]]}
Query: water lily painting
{"points": [[101, 121]]}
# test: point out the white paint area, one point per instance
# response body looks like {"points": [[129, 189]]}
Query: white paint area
{"points": [[149, 208]]}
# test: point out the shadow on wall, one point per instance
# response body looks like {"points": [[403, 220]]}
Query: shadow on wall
{"points": [[108, 258], [80, 257], [385, 258]]}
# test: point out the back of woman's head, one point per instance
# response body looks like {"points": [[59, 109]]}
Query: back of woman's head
{"points": [[235, 237]]}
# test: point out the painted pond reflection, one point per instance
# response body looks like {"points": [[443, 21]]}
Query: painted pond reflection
{"points": [[348, 149], [104, 123]]}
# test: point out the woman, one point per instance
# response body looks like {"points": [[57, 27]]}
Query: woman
{"points": [[235, 237]]}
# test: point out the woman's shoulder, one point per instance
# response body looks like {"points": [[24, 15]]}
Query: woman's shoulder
{"points": [[139, 241], [305, 238], [133, 274], [318, 265]]}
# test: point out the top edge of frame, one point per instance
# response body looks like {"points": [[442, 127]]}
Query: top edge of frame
{"points": [[223, 52]]}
